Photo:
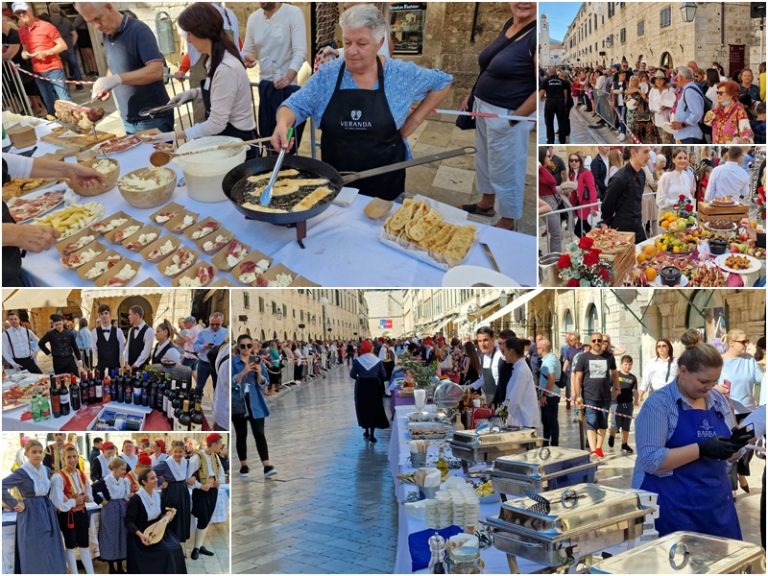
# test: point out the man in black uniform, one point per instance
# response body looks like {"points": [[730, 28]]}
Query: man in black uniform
{"points": [[63, 347], [140, 338], [553, 91], [623, 205], [108, 341]]}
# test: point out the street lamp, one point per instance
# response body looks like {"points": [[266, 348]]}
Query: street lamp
{"points": [[689, 11]]}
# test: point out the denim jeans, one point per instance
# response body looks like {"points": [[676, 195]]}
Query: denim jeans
{"points": [[164, 124], [191, 363], [52, 91], [203, 371], [70, 58], [691, 141]]}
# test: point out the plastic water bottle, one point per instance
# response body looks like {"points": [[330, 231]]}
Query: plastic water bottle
{"points": [[35, 407]]}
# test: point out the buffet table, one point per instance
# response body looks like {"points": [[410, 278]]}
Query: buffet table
{"points": [[342, 244]]}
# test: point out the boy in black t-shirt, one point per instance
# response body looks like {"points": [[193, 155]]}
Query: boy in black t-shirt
{"points": [[625, 401]]}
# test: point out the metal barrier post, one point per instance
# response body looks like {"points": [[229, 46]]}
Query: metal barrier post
{"points": [[14, 94], [604, 108]]}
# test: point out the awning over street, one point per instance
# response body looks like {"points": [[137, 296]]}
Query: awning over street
{"points": [[516, 303], [444, 323], [29, 298]]}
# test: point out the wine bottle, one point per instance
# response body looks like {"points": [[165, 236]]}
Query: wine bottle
{"points": [[137, 388], [91, 388], [55, 402], [145, 390], [45, 408], [184, 418], [128, 389], [74, 393], [197, 417], [63, 397], [120, 386], [107, 386], [177, 406], [99, 386], [167, 395], [113, 385]]}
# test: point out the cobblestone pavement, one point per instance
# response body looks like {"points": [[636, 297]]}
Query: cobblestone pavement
{"points": [[581, 129], [332, 506]]}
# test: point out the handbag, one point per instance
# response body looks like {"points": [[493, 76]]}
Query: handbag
{"points": [[469, 122]]}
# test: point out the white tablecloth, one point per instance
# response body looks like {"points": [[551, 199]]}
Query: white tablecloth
{"points": [[342, 244], [399, 452]]}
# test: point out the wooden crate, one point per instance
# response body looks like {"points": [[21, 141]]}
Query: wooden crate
{"points": [[709, 212], [620, 263]]}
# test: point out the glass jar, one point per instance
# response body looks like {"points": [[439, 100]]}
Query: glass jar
{"points": [[465, 560]]}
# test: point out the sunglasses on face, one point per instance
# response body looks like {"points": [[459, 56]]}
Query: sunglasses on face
{"points": [[742, 342], [721, 92], [572, 160], [246, 346], [597, 341], [213, 325]]}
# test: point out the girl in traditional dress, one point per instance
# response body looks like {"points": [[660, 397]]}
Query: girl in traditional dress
{"points": [[70, 492], [158, 452], [100, 464], [175, 476], [112, 493], [142, 463], [369, 374], [144, 509], [37, 527]]}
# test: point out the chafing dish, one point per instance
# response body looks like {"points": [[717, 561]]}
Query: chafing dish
{"points": [[472, 447], [686, 553], [542, 470], [560, 527]]}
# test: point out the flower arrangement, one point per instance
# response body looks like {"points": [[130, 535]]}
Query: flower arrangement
{"points": [[420, 373], [684, 207], [580, 265], [760, 199]]}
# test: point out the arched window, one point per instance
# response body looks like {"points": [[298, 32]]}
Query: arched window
{"points": [[708, 313], [666, 61], [568, 324], [593, 322]]}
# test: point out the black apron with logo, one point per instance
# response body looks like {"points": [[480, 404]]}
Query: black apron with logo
{"points": [[359, 133], [11, 255], [230, 130]]}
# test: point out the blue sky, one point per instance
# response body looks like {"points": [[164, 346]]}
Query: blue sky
{"points": [[560, 15]]}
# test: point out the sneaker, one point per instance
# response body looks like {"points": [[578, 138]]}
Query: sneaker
{"points": [[611, 441], [621, 137], [475, 209], [205, 551], [195, 554], [269, 471], [244, 470], [600, 453], [627, 449], [593, 457]]}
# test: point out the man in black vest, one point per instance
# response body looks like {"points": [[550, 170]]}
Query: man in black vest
{"points": [[140, 338], [108, 341], [20, 345], [63, 347], [495, 372]]}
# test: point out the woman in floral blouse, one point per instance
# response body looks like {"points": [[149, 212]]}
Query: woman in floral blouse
{"points": [[728, 118]]}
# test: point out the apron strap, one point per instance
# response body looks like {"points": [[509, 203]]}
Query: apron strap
{"points": [[379, 73]]}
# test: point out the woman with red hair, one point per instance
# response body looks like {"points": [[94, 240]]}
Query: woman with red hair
{"points": [[370, 376], [728, 118]]}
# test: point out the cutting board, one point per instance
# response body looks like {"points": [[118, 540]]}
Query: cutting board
{"points": [[79, 142]]}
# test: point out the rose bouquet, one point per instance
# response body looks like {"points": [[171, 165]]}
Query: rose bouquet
{"points": [[580, 265]]}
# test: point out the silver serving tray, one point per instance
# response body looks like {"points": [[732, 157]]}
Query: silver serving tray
{"points": [[520, 485], [542, 463], [686, 553], [471, 447]]}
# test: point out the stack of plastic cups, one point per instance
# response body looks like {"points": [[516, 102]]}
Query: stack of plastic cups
{"points": [[471, 511], [431, 516], [457, 499], [444, 509]]}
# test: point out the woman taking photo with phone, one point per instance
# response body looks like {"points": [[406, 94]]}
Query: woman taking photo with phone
{"points": [[249, 375]]}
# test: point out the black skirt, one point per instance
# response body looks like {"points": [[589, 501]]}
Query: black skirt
{"points": [[369, 403], [203, 506], [165, 557], [176, 495]]}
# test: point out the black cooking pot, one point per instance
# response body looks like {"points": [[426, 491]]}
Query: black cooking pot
{"points": [[670, 275], [718, 246]]}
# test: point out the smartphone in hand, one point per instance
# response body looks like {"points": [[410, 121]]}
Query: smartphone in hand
{"points": [[743, 435]]}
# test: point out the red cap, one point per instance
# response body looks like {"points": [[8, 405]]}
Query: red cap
{"points": [[428, 340], [160, 442], [144, 441], [381, 339], [440, 339], [366, 346], [145, 460], [106, 446], [211, 438]]}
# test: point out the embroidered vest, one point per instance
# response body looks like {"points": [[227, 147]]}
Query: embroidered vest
{"points": [[70, 490], [202, 472], [134, 481]]}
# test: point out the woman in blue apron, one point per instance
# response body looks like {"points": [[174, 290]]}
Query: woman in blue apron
{"points": [[225, 90], [364, 103], [683, 441]]}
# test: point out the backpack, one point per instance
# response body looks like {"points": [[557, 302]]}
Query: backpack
{"points": [[707, 107]]}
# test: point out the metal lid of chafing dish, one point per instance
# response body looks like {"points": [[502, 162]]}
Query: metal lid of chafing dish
{"points": [[568, 509], [686, 553], [511, 436], [542, 461]]}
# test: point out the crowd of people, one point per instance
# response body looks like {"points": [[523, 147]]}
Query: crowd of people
{"points": [[689, 407], [76, 345], [629, 188], [652, 105], [53, 490]]}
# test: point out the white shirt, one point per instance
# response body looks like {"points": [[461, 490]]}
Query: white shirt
{"points": [[95, 339], [656, 376], [172, 354], [20, 343], [728, 179], [157, 459], [711, 93], [654, 105], [18, 166], [149, 338], [118, 488], [195, 464], [383, 353], [279, 43], [62, 503], [189, 346], [671, 186], [491, 362], [221, 393], [131, 460], [231, 101], [522, 401]]}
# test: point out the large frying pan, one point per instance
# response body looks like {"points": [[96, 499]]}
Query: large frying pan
{"points": [[317, 169]]}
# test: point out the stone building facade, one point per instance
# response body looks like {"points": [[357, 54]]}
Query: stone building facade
{"points": [[635, 319], [303, 314], [385, 312], [604, 33]]}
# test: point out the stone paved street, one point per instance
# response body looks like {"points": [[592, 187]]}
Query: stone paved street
{"points": [[581, 129], [332, 508]]}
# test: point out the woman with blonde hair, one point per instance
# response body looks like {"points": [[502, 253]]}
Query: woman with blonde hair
{"points": [[615, 161], [112, 493], [683, 438], [741, 372]]}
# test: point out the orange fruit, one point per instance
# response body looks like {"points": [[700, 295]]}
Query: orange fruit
{"points": [[641, 258], [650, 250], [650, 274]]}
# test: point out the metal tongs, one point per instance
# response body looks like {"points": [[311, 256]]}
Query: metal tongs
{"points": [[150, 112]]}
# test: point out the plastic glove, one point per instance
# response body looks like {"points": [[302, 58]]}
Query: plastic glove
{"points": [[183, 97], [104, 85], [717, 448]]}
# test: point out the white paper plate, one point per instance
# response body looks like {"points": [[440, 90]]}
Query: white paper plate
{"points": [[755, 264], [468, 276]]}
